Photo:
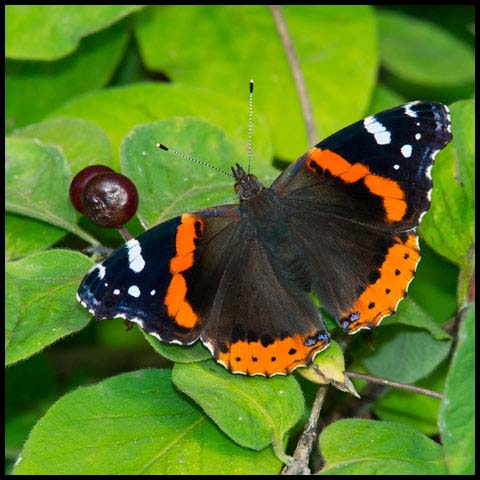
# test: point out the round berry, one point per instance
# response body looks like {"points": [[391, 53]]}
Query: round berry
{"points": [[77, 186], [110, 200]]}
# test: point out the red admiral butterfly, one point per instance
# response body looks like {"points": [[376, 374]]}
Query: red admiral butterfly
{"points": [[340, 221]]}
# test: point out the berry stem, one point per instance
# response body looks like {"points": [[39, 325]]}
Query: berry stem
{"points": [[125, 234]]}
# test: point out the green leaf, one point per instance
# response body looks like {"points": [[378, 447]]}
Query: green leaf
{"points": [[12, 308], [36, 184], [179, 353], [36, 181], [253, 411], [449, 225], [117, 110], [48, 32], [81, 142], [336, 48], [328, 367], [435, 285], [24, 236], [423, 53], [410, 313], [172, 186], [135, 423], [457, 414], [29, 392], [384, 98], [404, 354], [367, 447], [411, 408], [36, 88], [40, 299]]}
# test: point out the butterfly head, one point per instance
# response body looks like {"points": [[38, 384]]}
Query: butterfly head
{"points": [[247, 185]]}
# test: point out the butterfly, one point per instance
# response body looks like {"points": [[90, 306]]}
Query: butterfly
{"points": [[339, 222]]}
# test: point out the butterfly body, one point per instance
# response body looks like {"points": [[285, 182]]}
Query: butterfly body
{"points": [[339, 222]]}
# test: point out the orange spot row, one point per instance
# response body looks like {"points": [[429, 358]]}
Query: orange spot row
{"points": [[381, 298], [282, 356], [177, 305], [390, 191]]}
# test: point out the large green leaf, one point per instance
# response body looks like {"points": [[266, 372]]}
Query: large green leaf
{"points": [[435, 286], [411, 408], [404, 354], [82, 142], [40, 301], [449, 225], [36, 183], [34, 89], [48, 32], [423, 53], [118, 110], [171, 185], [135, 423], [457, 414], [230, 44], [367, 447], [252, 411], [409, 313], [384, 98], [30, 389], [24, 235]]}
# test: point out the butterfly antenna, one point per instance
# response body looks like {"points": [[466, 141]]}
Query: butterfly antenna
{"points": [[250, 125], [192, 159]]}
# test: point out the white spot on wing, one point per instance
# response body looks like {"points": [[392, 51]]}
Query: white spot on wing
{"points": [[381, 134], [116, 291], [409, 111], [406, 151], [135, 259], [134, 291], [101, 271], [418, 136], [153, 292], [396, 166]]}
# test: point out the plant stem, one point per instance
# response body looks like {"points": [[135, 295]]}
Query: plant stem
{"points": [[125, 234], [301, 456], [300, 85], [391, 383]]}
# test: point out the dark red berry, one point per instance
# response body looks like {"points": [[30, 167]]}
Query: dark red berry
{"points": [[80, 180], [110, 200]]}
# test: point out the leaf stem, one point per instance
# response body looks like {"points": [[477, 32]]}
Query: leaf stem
{"points": [[300, 85], [391, 383]]}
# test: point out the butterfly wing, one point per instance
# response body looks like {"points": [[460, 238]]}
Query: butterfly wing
{"points": [[146, 280], [207, 275], [262, 320], [354, 201]]}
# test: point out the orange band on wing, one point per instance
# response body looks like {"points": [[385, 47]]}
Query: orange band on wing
{"points": [[279, 357], [381, 298], [389, 190], [178, 308]]}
